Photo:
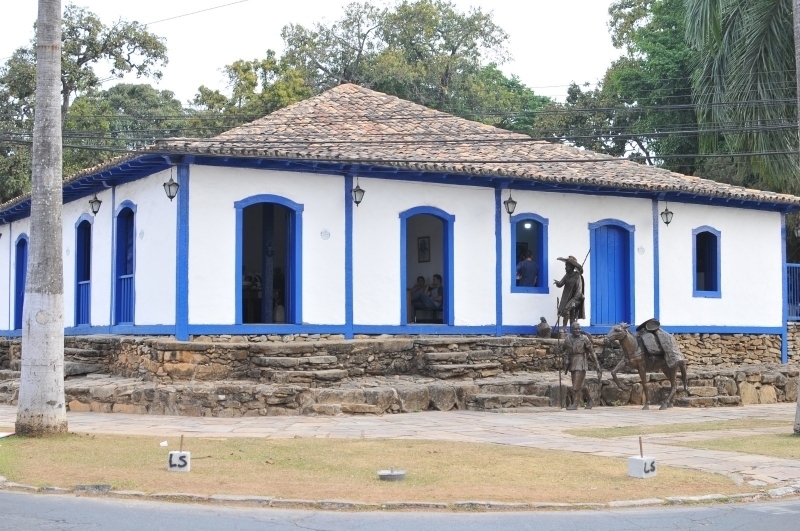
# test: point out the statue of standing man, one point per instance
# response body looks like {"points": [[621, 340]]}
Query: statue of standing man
{"points": [[577, 348], [570, 309]]}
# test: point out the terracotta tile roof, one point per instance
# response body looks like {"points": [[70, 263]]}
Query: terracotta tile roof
{"points": [[354, 124]]}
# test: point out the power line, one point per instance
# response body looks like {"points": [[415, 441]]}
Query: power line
{"points": [[194, 12]]}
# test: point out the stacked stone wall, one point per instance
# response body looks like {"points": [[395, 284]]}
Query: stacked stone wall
{"points": [[794, 342], [729, 350]]}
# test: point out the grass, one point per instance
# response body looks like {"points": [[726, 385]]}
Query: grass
{"points": [[713, 425], [321, 469], [774, 445]]}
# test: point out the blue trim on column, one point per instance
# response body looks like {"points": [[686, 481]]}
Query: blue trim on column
{"points": [[785, 293], [708, 294], [182, 256], [448, 221], [10, 273], [593, 248], [543, 253], [498, 268], [348, 257], [656, 264], [296, 278], [111, 290]]}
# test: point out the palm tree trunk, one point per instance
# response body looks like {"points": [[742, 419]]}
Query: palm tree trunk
{"points": [[797, 70], [41, 408]]}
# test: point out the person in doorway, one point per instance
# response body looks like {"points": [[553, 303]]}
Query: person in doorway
{"points": [[528, 271], [427, 298]]}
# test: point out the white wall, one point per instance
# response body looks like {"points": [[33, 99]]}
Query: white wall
{"points": [[569, 216], [212, 239], [750, 268], [376, 249], [156, 228], [6, 281]]}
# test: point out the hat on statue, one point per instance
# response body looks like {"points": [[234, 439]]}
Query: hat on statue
{"points": [[572, 260], [651, 325]]}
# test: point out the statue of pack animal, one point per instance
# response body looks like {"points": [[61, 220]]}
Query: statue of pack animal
{"points": [[650, 350]]}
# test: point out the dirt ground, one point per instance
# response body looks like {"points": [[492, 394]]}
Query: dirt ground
{"points": [[321, 469]]}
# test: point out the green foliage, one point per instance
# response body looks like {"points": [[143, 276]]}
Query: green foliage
{"points": [[257, 87], [744, 77]]}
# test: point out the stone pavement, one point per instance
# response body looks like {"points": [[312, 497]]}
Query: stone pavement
{"points": [[544, 430]]}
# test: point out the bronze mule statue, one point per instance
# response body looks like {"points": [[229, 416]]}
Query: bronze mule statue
{"points": [[650, 350]]}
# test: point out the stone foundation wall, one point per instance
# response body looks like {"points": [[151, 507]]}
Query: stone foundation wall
{"points": [[267, 358]]}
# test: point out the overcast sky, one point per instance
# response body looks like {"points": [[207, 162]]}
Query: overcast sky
{"points": [[553, 42]]}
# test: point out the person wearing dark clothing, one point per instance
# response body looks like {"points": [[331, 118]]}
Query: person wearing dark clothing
{"points": [[528, 271], [427, 298]]}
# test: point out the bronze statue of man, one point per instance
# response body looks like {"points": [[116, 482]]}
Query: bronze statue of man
{"points": [[577, 348], [570, 309]]}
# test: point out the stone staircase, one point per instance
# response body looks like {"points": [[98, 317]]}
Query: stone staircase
{"points": [[462, 364]]}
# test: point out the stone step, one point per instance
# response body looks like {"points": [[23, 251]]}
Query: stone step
{"points": [[9, 375], [460, 356], [492, 401], [516, 388], [324, 375], [466, 369], [285, 361], [82, 353], [78, 368]]}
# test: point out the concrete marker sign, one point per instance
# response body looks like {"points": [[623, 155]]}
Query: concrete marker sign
{"points": [[179, 461], [641, 466]]}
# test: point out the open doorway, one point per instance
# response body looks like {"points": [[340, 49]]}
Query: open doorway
{"points": [[268, 256], [425, 269]]}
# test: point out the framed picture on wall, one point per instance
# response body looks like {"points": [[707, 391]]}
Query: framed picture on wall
{"points": [[424, 249]]}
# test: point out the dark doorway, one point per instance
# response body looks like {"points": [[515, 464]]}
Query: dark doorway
{"points": [[268, 257]]}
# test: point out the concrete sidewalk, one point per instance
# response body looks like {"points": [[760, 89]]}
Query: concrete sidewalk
{"points": [[544, 430]]}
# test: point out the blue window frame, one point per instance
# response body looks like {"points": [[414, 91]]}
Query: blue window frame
{"points": [[706, 262], [125, 264], [529, 233], [20, 278], [83, 270]]}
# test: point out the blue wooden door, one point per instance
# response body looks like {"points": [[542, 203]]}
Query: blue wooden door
{"points": [[83, 273], [21, 275], [124, 289], [611, 276]]}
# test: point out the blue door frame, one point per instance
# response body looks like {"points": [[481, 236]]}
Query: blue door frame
{"points": [[612, 272], [83, 270], [294, 255], [125, 263], [448, 221], [20, 277]]}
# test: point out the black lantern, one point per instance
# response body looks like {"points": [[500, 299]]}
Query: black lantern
{"points": [[358, 194], [666, 216], [94, 204], [797, 232], [171, 188], [510, 204]]}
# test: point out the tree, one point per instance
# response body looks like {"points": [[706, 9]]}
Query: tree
{"points": [[127, 46], [257, 87], [746, 81], [42, 408]]}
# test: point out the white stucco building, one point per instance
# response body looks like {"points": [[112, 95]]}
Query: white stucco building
{"points": [[264, 236]]}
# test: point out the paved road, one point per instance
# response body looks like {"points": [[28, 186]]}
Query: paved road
{"points": [[26, 512], [544, 430]]}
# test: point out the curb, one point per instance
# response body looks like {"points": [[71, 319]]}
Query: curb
{"points": [[348, 505]]}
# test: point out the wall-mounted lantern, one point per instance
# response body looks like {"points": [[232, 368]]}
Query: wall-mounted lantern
{"points": [[666, 216], [797, 232], [357, 193], [171, 188], [94, 204], [510, 204]]}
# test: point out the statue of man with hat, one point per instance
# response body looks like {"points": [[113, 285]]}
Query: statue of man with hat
{"points": [[570, 308]]}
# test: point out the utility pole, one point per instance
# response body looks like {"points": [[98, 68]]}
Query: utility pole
{"points": [[796, 10], [41, 409]]}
